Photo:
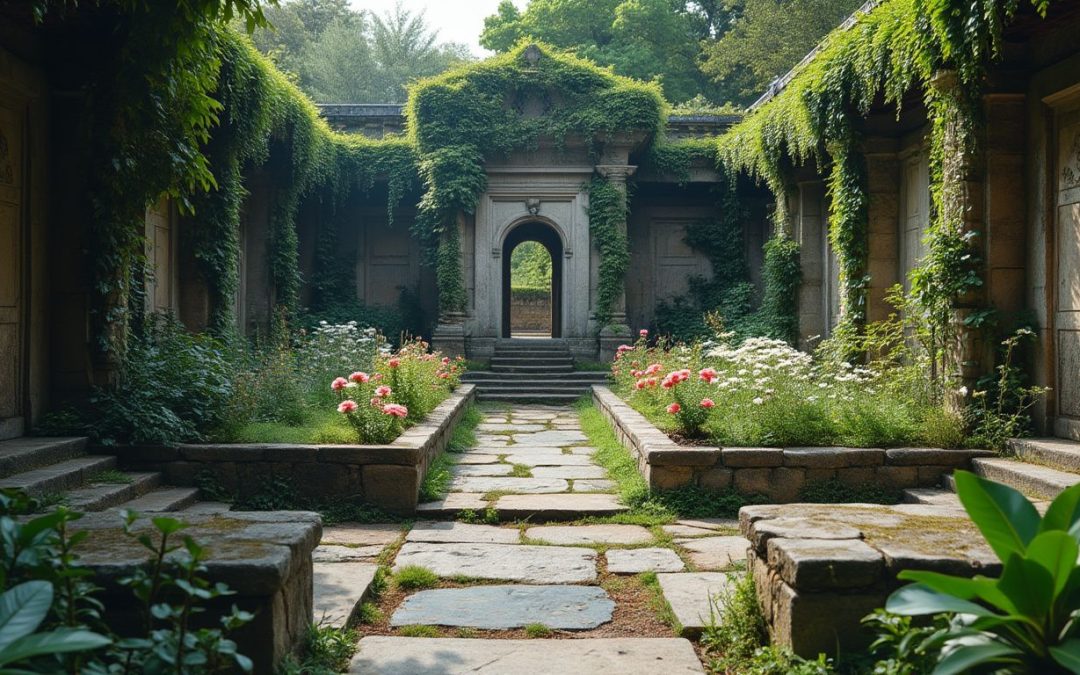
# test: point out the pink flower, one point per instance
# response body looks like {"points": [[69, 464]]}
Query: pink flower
{"points": [[653, 369], [640, 384], [669, 382], [443, 376], [339, 383], [347, 406], [394, 363], [625, 348], [674, 408], [684, 375], [395, 409], [652, 381], [446, 360], [376, 377], [707, 374], [376, 402], [359, 377], [707, 403], [382, 391], [644, 332]]}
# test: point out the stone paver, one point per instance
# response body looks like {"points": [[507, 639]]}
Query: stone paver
{"points": [[378, 655], [553, 459], [534, 450], [716, 553], [694, 597], [557, 506], [530, 564], [452, 503], [511, 428], [509, 484], [589, 534], [484, 470], [687, 531], [551, 438], [339, 588], [336, 553], [465, 533], [356, 534], [575, 472], [474, 458], [711, 523], [594, 485], [638, 560], [504, 607]]}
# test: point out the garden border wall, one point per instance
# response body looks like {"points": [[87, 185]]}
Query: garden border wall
{"points": [[779, 474], [387, 476]]}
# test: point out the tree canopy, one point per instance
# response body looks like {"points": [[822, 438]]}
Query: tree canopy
{"points": [[340, 55]]}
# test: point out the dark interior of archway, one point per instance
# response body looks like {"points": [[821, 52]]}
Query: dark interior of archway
{"points": [[549, 239]]}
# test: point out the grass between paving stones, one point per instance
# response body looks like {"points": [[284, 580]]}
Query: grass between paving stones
{"points": [[657, 601], [464, 435], [415, 577], [437, 479], [326, 650], [488, 516], [538, 630], [521, 471], [420, 630]]}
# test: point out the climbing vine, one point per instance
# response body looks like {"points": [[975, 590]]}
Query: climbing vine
{"points": [[607, 213]]}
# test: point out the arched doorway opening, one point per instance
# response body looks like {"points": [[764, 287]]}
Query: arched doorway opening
{"points": [[527, 314]]}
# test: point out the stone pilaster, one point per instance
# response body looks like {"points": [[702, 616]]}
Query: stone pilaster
{"points": [[449, 333], [617, 331], [882, 229], [809, 223]]}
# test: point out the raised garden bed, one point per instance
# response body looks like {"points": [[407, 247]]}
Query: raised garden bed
{"points": [[778, 474], [387, 476]]}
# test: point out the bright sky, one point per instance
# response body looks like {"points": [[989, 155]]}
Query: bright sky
{"points": [[456, 20]]}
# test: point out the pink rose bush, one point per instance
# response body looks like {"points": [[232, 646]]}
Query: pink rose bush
{"points": [[762, 391], [400, 390]]}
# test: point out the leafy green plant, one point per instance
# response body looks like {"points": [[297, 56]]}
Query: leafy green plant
{"points": [[326, 650], [22, 610], [413, 577], [901, 647], [1022, 621], [1000, 408]]}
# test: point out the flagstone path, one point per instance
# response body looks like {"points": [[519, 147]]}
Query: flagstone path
{"points": [[571, 586]]}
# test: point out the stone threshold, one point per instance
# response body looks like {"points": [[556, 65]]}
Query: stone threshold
{"points": [[388, 476], [776, 473]]}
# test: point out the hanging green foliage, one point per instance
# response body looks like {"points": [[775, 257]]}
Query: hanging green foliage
{"points": [[607, 218]]}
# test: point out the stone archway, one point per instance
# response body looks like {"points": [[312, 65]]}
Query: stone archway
{"points": [[549, 238]]}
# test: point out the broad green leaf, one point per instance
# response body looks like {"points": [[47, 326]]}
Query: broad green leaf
{"points": [[1057, 552], [965, 658], [917, 599], [1064, 511], [22, 609], [1005, 517], [1030, 585], [60, 641], [1067, 655], [978, 587]]}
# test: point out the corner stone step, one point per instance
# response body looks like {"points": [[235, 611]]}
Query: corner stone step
{"points": [[166, 499], [934, 496], [101, 496], [1057, 453], [28, 453], [339, 589], [1031, 479], [59, 477]]}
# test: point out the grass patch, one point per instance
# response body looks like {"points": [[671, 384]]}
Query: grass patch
{"points": [[464, 434], [537, 630], [419, 631], [437, 479], [610, 454], [521, 471], [370, 613], [466, 632], [112, 477], [657, 601], [414, 577], [836, 491], [488, 516], [326, 650], [319, 426]]}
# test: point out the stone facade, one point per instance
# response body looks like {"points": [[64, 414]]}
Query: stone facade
{"points": [[778, 474], [387, 476]]}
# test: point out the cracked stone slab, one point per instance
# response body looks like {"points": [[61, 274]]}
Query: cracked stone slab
{"points": [[361, 534], [466, 533], [568, 506], [594, 485], [505, 607], [716, 553], [549, 460], [474, 458], [694, 597], [509, 484], [452, 503], [330, 553], [551, 438], [383, 655], [638, 560], [687, 531], [529, 564], [589, 534], [511, 428], [483, 470], [569, 472], [536, 450], [339, 588]]}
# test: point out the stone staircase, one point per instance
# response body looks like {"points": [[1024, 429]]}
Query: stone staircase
{"points": [[1041, 468], [60, 470], [527, 370]]}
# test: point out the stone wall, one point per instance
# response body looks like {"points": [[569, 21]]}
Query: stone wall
{"points": [[779, 474], [530, 311], [387, 476]]}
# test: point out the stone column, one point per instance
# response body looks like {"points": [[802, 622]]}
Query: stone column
{"points": [[882, 224], [809, 221], [449, 333], [617, 331]]}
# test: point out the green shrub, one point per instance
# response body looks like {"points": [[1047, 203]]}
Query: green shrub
{"points": [[1022, 621]]}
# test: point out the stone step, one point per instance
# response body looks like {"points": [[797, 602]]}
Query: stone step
{"points": [[1031, 479], [935, 496], [561, 507], [391, 655], [517, 368], [33, 452], [550, 399], [100, 496], [1057, 453], [208, 507], [164, 499], [486, 376], [339, 589], [59, 477], [545, 387], [532, 360]]}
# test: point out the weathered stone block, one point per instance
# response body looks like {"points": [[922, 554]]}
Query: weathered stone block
{"points": [[798, 624], [394, 488], [239, 452], [669, 477], [369, 454], [716, 479], [786, 484], [856, 476], [752, 457], [821, 564], [898, 477], [833, 458], [818, 475], [674, 455], [753, 481], [957, 459]]}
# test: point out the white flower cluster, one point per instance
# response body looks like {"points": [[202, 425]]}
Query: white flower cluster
{"points": [[333, 348]]}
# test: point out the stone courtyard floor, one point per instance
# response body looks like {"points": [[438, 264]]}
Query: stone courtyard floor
{"points": [[529, 595]]}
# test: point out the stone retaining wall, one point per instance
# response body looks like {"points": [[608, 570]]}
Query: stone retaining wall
{"points": [[265, 558], [779, 474], [387, 476], [819, 569]]}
